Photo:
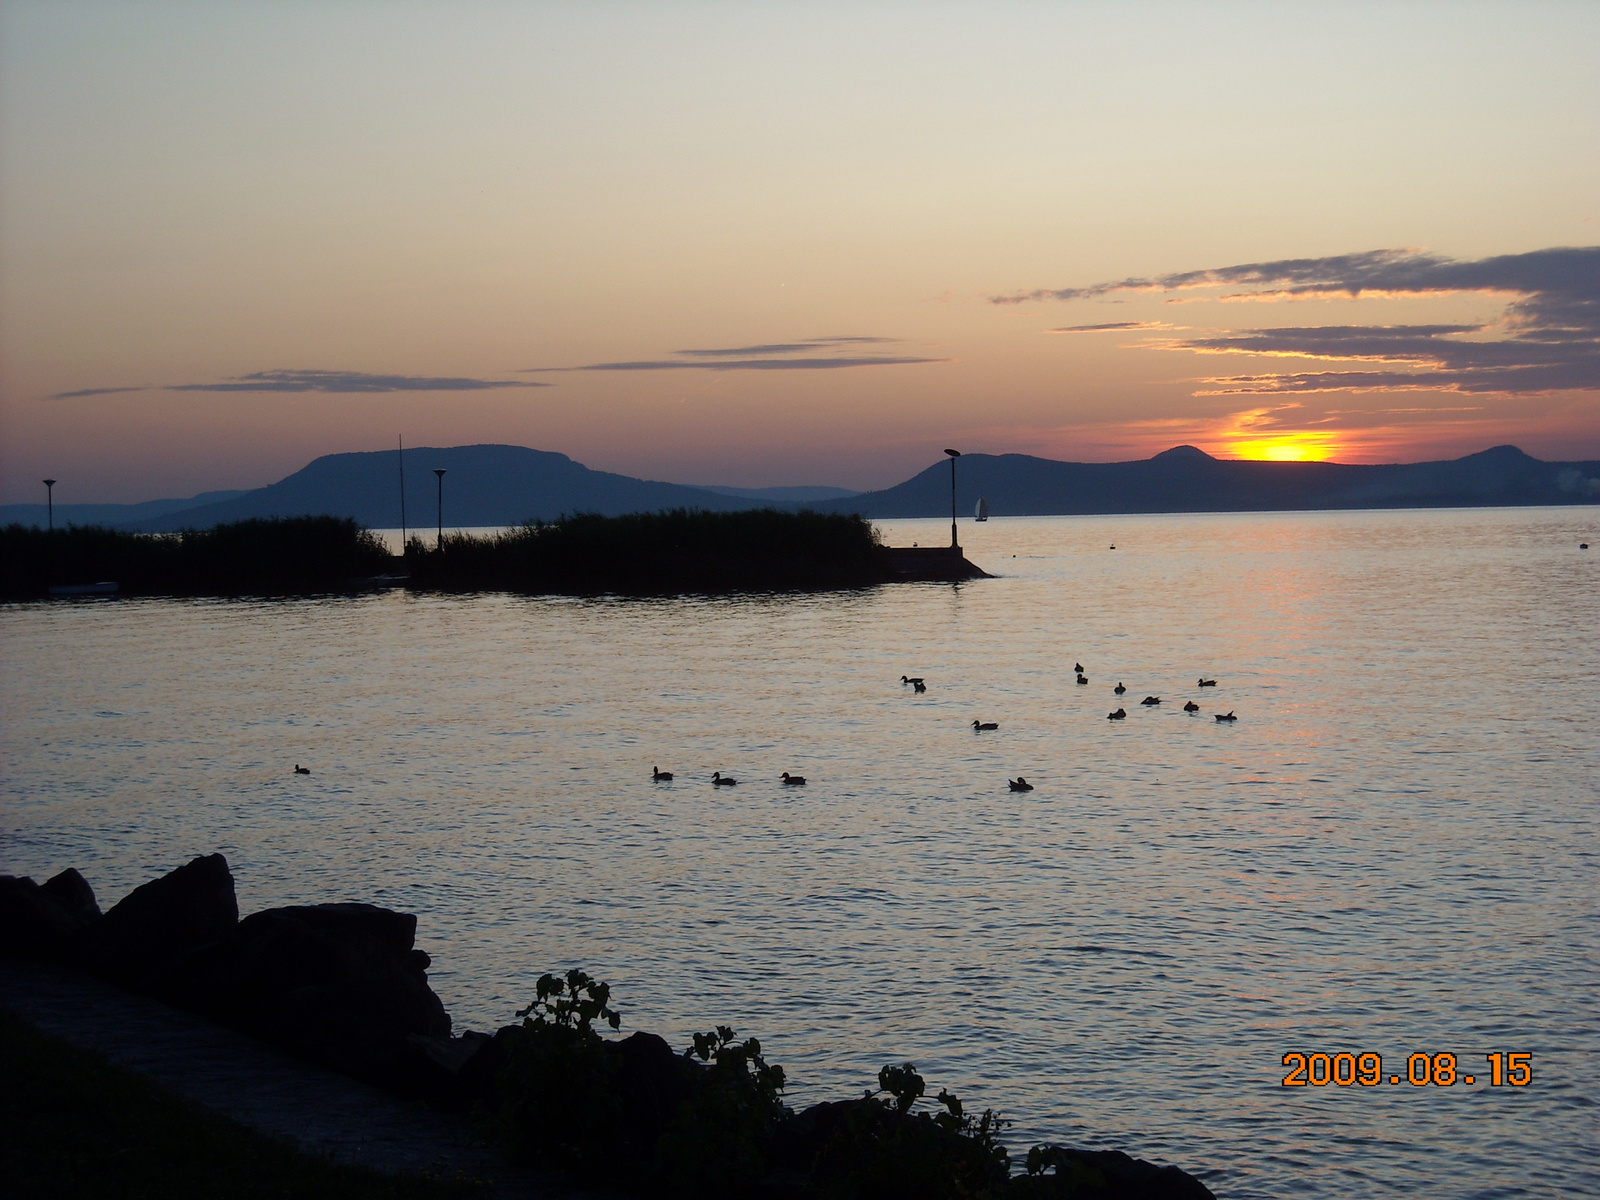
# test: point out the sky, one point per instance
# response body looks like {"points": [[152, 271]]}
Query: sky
{"points": [[763, 244]]}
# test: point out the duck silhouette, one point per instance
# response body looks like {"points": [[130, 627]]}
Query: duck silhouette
{"points": [[1082, 678], [1227, 716], [793, 779], [1151, 700], [1019, 784], [299, 770], [911, 679], [986, 724], [718, 779], [1118, 715], [918, 686], [1207, 683], [1078, 667], [1191, 706], [1119, 689], [659, 775]]}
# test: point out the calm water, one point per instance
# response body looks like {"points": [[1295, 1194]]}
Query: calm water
{"points": [[1393, 850]]}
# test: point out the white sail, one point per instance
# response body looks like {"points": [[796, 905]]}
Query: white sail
{"points": [[981, 513]]}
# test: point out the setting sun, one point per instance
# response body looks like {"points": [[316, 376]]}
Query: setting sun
{"points": [[1297, 448]]}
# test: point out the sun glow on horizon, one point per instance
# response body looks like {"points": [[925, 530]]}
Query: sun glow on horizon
{"points": [[1300, 447]]}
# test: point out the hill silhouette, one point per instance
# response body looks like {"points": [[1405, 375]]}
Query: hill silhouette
{"points": [[483, 485], [1187, 479], [493, 485]]}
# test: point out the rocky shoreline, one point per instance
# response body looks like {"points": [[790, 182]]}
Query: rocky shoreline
{"points": [[343, 986]]}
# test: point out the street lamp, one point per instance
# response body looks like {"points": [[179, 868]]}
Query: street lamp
{"points": [[954, 454], [50, 502], [439, 471]]}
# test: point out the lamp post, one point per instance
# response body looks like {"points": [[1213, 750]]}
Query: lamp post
{"points": [[439, 471], [50, 502], [954, 454]]}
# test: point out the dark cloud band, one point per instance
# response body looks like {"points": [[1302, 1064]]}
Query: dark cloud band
{"points": [[1551, 327]]}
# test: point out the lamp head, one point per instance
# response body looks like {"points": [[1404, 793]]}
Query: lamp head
{"points": [[439, 471], [953, 453], [49, 483]]}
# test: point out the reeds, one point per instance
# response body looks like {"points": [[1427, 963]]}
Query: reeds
{"points": [[662, 553], [271, 557]]}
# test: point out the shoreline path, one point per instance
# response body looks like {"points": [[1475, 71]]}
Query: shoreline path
{"points": [[316, 1111]]}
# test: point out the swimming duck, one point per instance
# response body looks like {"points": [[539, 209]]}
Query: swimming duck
{"points": [[1191, 706], [1118, 715], [1078, 667], [986, 724], [1151, 700], [718, 779], [1019, 784], [299, 770], [1119, 689], [911, 679], [1082, 678], [793, 779], [659, 775], [1208, 683], [1227, 716], [918, 686]]}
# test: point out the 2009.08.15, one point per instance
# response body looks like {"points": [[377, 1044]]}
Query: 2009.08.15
{"points": [[1348, 1069]]}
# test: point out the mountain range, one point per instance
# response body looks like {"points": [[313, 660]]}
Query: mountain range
{"points": [[506, 485]]}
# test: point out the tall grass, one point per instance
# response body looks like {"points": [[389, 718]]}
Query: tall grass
{"points": [[661, 553], [273, 557]]}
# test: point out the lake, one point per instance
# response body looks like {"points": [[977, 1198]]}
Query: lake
{"points": [[1392, 850]]}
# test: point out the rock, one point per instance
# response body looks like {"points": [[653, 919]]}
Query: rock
{"points": [[73, 892], [158, 923], [434, 1068], [39, 922], [1103, 1175], [338, 984], [652, 1083]]}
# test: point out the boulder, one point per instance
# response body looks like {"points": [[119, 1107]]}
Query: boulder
{"points": [[1065, 1174], [338, 984], [158, 923], [38, 921]]}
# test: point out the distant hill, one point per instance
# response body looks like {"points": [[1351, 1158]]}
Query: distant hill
{"points": [[800, 495], [38, 515], [1185, 479], [483, 485]]}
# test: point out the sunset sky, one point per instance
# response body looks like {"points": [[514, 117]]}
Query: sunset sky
{"points": [[760, 244]]}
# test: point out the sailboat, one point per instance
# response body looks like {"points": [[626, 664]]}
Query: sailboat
{"points": [[981, 513]]}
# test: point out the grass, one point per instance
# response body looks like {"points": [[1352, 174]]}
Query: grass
{"points": [[73, 1125], [662, 553]]}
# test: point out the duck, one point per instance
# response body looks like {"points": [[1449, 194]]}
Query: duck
{"points": [[1118, 715], [1078, 667], [1119, 689], [718, 779], [1207, 683], [1191, 706], [918, 686], [986, 724], [1082, 678], [1019, 784], [659, 775], [299, 770], [911, 679], [1227, 716], [1151, 700], [794, 779]]}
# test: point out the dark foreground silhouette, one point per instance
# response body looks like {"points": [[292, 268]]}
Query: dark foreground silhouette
{"points": [[662, 553], [279, 557], [343, 986]]}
